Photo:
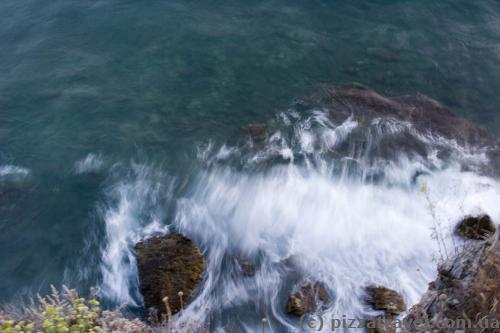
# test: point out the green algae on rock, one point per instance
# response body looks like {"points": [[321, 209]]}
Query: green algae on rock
{"points": [[168, 265]]}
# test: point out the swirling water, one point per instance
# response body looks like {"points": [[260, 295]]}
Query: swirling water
{"points": [[121, 119]]}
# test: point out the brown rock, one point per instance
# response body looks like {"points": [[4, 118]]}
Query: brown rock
{"points": [[168, 265], [467, 286], [476, 227], [310, 298], [385, 299]]}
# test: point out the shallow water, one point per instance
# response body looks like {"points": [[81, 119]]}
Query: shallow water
{"points": [[113, 115]]}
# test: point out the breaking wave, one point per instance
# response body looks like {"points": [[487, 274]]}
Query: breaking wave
{"points": [[344, 204], [134, 210]]}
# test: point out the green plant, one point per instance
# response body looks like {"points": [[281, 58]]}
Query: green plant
{"points": [[56, 313]]}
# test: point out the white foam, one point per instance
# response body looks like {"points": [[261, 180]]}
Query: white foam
{"points": [[344, 229], [90, 163], [348, 221], [132, 212], [13, 171]]}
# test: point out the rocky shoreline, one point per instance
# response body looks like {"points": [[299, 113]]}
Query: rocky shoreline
{"points": [[171, 269]]}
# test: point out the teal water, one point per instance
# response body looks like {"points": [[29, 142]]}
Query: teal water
{"points": [[145, 83]]}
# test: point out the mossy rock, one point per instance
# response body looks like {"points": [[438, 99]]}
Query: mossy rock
{"points": [[476, 227], [168, 265], [385, 299], [310, 298]]}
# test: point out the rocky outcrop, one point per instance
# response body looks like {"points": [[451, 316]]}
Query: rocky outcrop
{"points": [[385, 299], [309, 298], [476, 227], [169, 266], [466, 292]]}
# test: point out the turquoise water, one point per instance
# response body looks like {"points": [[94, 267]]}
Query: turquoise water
{"points": [[138, 83]]}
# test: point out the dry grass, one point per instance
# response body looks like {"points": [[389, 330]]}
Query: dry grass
{"points": [[466, 292], [482, 295]]}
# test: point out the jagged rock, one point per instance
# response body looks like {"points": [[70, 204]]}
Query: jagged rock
{"points": [[476, 227], [310, 298], [255, 131], [467, 287], [385, 299], [168, 265]]}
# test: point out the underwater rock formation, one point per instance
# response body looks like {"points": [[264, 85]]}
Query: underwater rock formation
{"points": [[256, 132], [426, 123]]}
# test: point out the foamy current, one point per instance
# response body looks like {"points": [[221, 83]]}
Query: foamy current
{"points": [[12, 171], [315, 200]]}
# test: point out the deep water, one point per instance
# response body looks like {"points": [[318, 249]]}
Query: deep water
{"points": [[113, 115]]}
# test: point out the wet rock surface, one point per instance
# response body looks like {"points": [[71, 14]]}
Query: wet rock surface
{"points": [[422, 114], [467, 288], [309, 298], [476, 227], [168, 265], [246, 266], [385, 299]]}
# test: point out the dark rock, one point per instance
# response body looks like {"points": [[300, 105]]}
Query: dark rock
{"points": [[385, 299], [255, 131], [423, 113], [467, 287], [247, 267], [476, 227], [168, 265], [310, 298]]}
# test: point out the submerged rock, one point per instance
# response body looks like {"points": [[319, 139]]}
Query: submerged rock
{"points": [[255, 131], [385, 299], [310, 298], [247, 267], [168, 265], [476, 227], [422, 121]]}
